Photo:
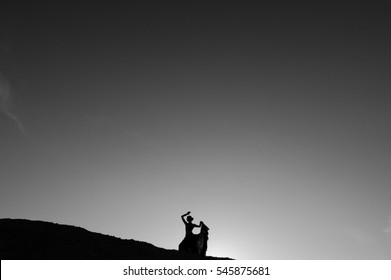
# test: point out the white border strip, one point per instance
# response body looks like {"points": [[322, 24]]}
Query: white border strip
{"points": [[213, 269]]}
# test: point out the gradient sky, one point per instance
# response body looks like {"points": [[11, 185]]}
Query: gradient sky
{"points": [[269, 120]]}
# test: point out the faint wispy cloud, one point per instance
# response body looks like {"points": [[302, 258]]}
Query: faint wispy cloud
{"points": [[387, 229], [359, 235], [5, 95]]}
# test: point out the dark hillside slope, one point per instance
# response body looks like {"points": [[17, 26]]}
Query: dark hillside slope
{"points": [[35, 240]]}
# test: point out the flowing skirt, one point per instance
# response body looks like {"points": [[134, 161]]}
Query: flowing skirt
{"points": [[189, 243]]}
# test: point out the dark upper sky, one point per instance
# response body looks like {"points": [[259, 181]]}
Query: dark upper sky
{"points": [[270, 120]]}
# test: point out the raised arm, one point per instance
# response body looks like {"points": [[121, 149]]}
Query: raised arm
{"points": [[183, 217]]}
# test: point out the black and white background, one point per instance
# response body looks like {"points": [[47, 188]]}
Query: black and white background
{"points": [[269, 120]]}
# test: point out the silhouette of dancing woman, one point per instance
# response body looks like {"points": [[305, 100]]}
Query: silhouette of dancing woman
{"points": [[189, 243]]}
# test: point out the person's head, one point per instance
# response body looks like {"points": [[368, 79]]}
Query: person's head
{"points": [[189, 219]]}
